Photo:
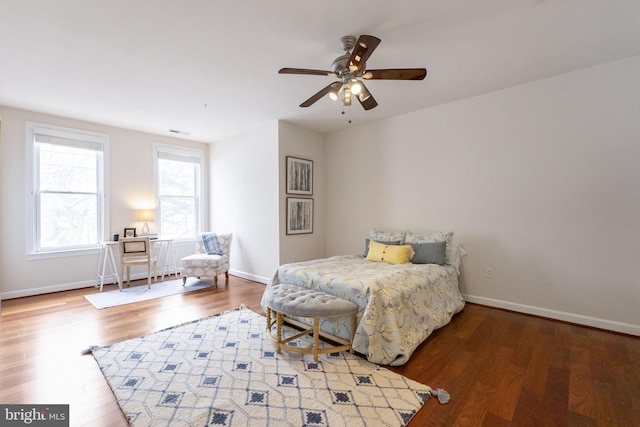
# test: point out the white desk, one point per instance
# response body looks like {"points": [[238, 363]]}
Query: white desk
{"points": [[107, 266]]}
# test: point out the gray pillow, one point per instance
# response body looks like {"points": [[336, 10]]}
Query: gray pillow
{"points": [[366, 244], [429, 253]]}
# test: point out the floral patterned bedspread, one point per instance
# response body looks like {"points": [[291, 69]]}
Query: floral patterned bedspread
{"points": [[401, 305]]}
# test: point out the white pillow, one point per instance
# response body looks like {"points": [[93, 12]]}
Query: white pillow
{"points": [[436, 236], [454, 255], [387, 236]]}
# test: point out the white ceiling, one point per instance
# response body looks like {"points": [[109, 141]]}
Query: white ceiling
{"points": [[210, 67]]}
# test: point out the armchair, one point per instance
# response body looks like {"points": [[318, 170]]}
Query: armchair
{"points": [[202, 264]]}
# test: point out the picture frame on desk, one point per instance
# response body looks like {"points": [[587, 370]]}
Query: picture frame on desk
{"points": [[130, 232]]}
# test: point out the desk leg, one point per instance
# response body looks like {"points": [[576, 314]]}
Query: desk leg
{"points": [[115, 267], [166, 269], [102, 261], [165, 246], [173, 258]]}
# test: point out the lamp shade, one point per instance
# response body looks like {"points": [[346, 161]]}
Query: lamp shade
{"points": [[145, 215], [355, 87]]}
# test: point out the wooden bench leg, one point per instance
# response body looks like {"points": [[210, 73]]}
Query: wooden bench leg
{"points": [[268, 319], [279, 331], [353, 330], [316, 338]]}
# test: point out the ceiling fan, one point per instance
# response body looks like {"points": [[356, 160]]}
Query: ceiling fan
{"points": [[350, 69]]}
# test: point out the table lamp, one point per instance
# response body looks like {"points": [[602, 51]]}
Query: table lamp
{"points": [[145, 215]]}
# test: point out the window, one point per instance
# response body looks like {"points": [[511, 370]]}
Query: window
{"points": [[178, 191], [67, 204]]}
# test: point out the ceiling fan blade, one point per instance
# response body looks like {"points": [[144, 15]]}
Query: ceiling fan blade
{"points": [[396, 74], [318, 95], [305, 71], [366, 99], [362, 51]]}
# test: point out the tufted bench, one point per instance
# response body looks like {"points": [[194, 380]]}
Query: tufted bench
{"points": [[287, 301]]}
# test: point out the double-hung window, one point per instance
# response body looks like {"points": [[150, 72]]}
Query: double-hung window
{"points": [[179, 191], [67, 199]]}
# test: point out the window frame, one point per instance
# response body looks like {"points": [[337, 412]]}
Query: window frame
{"points": [[177, 152], [33, 247]]}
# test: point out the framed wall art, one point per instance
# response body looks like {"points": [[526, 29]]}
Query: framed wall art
{"points": [[299, 176], [299, 215]]}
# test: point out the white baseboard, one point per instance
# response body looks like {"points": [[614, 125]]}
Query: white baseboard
{"points": [[90, 283], [47, 289], [579, 319], [248, 276], [65, 287]]}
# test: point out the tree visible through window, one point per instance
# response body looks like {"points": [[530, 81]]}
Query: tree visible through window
{"points": [[68, 196], [178, 188]]}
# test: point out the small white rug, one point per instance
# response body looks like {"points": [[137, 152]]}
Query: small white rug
{"points": [[139, 293]]}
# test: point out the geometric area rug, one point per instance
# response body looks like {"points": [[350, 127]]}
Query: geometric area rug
{"points": [[223, 371]]}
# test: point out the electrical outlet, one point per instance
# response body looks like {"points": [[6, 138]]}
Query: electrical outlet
{"points": [[489, 272], [293, 258]]}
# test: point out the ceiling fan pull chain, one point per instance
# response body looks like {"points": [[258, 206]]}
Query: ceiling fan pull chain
{"points": [[348, 115]]}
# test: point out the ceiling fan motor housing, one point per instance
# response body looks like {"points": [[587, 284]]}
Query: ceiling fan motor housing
{"points": [[347, 43], [339, 65]]}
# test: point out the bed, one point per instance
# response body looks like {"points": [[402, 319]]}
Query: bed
{"points": [[400, 304]]}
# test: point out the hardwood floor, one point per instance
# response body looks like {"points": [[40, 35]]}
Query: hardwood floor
{"points": [[501, 368]]}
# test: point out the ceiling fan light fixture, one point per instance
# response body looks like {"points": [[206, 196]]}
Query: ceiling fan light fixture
{"points": [[355, 86], [334, 92], [346, 97]]}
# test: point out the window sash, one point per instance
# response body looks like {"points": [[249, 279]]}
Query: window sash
{"points": [[171, 188], [68, 169], [178, 217], [69, 230]]}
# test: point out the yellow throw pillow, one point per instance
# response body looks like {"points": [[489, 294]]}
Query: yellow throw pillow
{"points": [[389, 253]]}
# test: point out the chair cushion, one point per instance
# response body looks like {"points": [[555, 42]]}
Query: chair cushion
{"points": [[203, 259], [296, 301]]}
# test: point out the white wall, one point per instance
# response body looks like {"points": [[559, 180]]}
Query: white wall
{"points": [[302, 143], [248, 197], [131, 187], [244, 199], [539, 182]]}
